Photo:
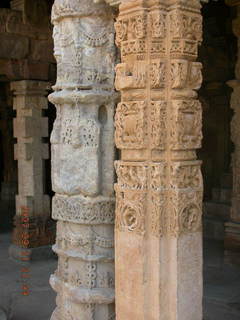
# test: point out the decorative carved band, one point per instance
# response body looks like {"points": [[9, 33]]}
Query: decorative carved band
{"points": [[84, 211]]}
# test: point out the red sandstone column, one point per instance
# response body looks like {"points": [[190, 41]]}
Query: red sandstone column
{"points": [[158, 239]]}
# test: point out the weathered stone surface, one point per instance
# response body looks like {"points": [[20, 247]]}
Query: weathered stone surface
{"points": [[159, 191], [82, 160]]}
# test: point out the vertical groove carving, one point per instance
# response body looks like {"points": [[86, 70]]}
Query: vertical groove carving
{"points": [[82, 160], [159, 190]]}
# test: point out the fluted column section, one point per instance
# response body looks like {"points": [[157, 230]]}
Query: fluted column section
{"points": [[159, 190], [82, 160]]}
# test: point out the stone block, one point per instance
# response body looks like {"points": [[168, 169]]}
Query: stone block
{"points": [[13, 46], [18, 69], [36, 70], [41, 50]]}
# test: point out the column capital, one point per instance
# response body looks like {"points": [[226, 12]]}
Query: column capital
{"points": [[78, 8], [29, 86]]}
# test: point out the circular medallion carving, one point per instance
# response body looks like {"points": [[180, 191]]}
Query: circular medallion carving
{"points": [[190, 218]]}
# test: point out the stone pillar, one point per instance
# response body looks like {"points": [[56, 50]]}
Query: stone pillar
{"points": [[82, 160], [30, 127], [232, 228], [158, 236]]}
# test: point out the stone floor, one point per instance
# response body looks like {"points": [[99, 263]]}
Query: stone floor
{"points": [[221, 287], [40, 303]]}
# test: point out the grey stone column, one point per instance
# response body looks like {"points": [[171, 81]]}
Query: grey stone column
{"points": [[82, 160]]}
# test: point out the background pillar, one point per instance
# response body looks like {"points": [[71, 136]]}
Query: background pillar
{"points": [[82, 160], [30, 151], [232, 228], [159, 190]]}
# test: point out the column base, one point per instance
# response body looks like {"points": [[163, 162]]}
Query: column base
{"points": [[232, 243], [32, 254]]}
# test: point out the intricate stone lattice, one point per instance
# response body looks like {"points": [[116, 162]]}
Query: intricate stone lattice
{"points": [[159, 190], [82, 159]]}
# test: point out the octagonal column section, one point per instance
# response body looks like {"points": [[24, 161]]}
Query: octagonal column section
{"points": [[159, 191], [34, 228], [82, 160]]}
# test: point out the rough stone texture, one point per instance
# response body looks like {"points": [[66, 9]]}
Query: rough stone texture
{"points": [[232, 228], [26, 43], [29, 129], [82, 160], [159, 191]]}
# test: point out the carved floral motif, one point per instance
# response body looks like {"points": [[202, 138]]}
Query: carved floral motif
{"points": [[158, 124], [130, 212], [158, 24], [130, 125], [186, 124]]}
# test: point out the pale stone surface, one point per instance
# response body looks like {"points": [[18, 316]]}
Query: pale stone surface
{"points": [[82, 160], [29, 128], [159, 191]]}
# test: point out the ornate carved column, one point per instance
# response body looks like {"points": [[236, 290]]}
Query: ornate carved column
{"points": [[82, 160], [29, 128], [232, 228], [158, 233]]}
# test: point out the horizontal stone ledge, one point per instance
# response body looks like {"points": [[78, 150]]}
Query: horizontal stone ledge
{"points": [[24, 69], [83, 295], [81, 96], [81, 256]]}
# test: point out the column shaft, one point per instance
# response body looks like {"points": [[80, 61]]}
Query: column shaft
{"points": [[30, 151], [82, 160], [159, 190]]}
